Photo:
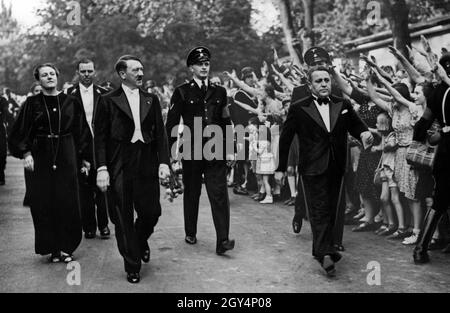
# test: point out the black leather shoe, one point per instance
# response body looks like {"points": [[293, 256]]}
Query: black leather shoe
{"points": [[192, 240], [336, 257], [339, 247], [146, 255], [89, 234], [224, 246], [328, 266], [133, 278], [239, 190], [104, 233], [297, 226]]}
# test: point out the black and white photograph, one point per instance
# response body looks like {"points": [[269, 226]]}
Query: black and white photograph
{"points": [[224, 151]]}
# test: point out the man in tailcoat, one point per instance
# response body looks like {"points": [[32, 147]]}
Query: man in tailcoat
{"points": [[91, 198], [131, 152]]}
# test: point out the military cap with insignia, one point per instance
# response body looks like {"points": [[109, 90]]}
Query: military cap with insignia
{"points": [[198, 55], [315, 55]]}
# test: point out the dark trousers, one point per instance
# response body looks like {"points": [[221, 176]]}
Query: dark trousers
{"points": [[215, 177], [133, 192], [92, 201], [2, 153], [441, 200], [322, 193]]}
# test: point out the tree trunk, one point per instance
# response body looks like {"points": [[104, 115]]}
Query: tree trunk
{"points": [[288, 28], [398, 20], [308, 6]]}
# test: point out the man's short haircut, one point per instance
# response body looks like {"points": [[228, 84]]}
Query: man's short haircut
{"points": [[317, 68], [39, 66], [84, 61], [121, 64]]}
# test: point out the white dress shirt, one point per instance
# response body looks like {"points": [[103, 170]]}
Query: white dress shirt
{"points": [[199, 82], [133, 100], [87, 97], [324, 111]]}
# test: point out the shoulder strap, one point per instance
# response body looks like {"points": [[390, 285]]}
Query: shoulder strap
{"points": [[443, 105]]}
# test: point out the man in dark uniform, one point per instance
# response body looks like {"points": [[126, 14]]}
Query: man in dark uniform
{"points": [[438, 107], [240, 117], [131, 152], [202, 105], [3, 119], [322, 123], [90, 196]]}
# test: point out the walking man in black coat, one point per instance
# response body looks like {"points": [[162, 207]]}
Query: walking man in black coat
{"points": [[322, 123], [90, 196], [202, 105], [131, 152]]}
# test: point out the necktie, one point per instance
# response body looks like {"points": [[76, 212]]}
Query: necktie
{"points": [[203, 88], [321, 101]]}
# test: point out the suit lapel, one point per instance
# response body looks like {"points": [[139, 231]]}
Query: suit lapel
{"points": [[144, 105], [312, 111], [76, 92], [122, 102], [210, 91], [195, 87], [335, 110], [97, 95]]}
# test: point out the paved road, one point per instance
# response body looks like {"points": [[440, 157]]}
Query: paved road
{"points": [[268, 256]]}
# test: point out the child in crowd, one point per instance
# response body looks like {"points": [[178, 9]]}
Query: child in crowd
{"points": [[265, 164], [389, 188]]}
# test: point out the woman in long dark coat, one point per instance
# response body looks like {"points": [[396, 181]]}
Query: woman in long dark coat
{"points": [[49, 135]]}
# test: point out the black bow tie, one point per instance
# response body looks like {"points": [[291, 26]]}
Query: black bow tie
{"points": [[321, 101]]}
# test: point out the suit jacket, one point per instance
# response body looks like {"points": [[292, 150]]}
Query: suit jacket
{"points": [[318, 147], [114, 130], [188, 102], [98, 91]]}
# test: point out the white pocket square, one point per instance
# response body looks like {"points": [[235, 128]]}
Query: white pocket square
{"points": [[344, 111]]}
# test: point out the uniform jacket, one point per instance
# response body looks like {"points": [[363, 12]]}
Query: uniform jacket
{"points": [[188, 102]]}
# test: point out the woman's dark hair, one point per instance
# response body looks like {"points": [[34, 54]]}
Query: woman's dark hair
{"points": [[427, 88], [387, 68], [403, 90], [254, 121], [37, 68], [270, 91]]}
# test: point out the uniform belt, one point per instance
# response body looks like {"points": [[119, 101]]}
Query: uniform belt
{"points": [[446, 129]]}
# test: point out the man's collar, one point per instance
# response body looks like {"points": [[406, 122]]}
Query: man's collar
{"points": [[199, 82], [86, 89], [326, 100], [128, 90]]}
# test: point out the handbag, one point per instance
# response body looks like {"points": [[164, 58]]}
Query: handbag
{"points": [[422, 155]]}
